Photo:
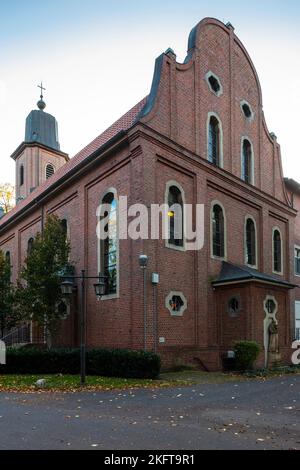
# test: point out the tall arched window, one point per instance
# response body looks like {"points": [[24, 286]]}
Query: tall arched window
{"points": [[214, 141], [247, 162], [29, 246], [277, 251], [21, 175], [7, 257], [49, 170], [250, 237], [175, 216], [64, 226], [8, 261], [109, 248], [218, 231]]}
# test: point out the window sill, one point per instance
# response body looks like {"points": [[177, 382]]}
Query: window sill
{"points": [[174, 247], [252, 266], [218, 258], [110, 296], [277, 273]]}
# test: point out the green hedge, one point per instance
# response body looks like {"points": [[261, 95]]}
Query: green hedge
{"points": [[106, 362], [246, 353]]}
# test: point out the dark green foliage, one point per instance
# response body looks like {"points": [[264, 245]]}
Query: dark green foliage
{"points": [[8, 317], [106, 362], [38, 294], [246, 353], [123, 363]]}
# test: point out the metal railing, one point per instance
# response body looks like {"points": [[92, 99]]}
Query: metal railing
{"points": [[18, 336]]}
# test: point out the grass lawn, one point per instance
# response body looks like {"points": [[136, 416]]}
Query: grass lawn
{"points": [[26, 383], [71, 383]]}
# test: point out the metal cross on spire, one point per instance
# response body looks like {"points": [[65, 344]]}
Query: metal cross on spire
{"points": [[42, 88]]}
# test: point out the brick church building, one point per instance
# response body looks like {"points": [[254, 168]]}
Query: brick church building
{"points": [[199, 137]]}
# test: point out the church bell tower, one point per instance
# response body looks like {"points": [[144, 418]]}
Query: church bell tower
{"points": [[39, 156]]}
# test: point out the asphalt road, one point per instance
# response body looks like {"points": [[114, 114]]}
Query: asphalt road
{"points": [[245, 415]]}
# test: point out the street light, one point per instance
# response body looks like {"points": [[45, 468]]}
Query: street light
{"points": [[67, 287], [100, 287], [143, 261]]}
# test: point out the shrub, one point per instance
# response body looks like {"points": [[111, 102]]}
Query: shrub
{"points": [[106, 362], [246, 353], [123, 363]]}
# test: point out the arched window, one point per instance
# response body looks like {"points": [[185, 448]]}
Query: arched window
{"points": [[64, 226], [29, 246], [214, 141], [49, 170], [66, 232], [21, 175], [247, 162], [175, 216], [218, 231], [277, 251], [7, 257], [109, 245], [250, 237], [8, 262]]}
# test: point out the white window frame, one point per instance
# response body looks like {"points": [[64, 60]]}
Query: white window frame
{"points": [[214, 203], [178, 186], [245, 137], [212, 74], [297, 319], [280, 273], [254, 266], [184, 306], [242, 103], [209, 116], [117, 294], [296, 247]]}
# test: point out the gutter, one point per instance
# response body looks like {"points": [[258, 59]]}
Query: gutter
{"points": [[243, 280]]}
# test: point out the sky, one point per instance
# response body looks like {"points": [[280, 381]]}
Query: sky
{"points": [[96, 60]]}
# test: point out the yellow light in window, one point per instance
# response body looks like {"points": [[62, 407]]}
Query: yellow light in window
{"points": [[170, 214]]}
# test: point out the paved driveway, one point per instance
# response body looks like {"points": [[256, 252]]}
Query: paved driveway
{"points": [[245, 415]]}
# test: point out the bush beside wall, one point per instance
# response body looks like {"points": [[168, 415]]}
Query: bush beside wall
{"points": [[106, 362], [246, 353]]}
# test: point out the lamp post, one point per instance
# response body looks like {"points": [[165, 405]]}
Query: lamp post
{"points": [[67, 286], [143, 262]]}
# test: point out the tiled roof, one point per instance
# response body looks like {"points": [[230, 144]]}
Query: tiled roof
{"points": [[232, 273], [122, 124]]}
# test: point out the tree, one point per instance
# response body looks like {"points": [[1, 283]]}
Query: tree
{"points": [[8, 317], [7, 197], [38, 294]]}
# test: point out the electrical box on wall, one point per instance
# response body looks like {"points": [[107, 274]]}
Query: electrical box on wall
{"points": [[155, 278]]}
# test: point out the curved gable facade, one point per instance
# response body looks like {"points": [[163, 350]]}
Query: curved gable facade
{"points": [[181, 99]]}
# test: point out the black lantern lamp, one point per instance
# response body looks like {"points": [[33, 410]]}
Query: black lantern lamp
{"points": [[67, 288], [100, 287]]}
